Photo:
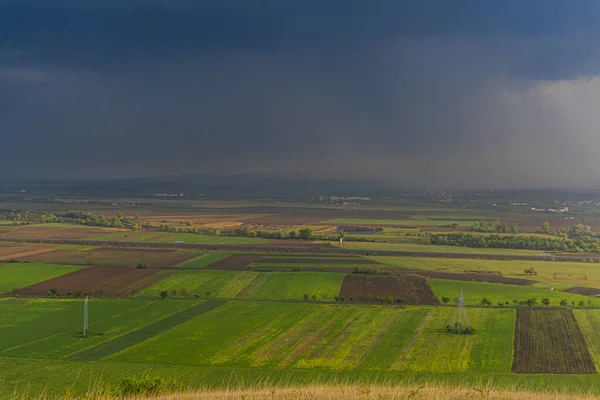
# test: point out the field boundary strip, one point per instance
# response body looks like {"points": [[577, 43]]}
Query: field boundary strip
{"points": [[296, 249], [140, 335]]}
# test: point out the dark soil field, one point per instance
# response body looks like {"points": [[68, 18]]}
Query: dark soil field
{"points": [[153, 258], [585, 291], [413, 290], [484, 273], [98, 281], [17, 250], [550, 342]]}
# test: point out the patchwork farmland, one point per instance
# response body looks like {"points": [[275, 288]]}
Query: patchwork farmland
{"points": [[262, 336], [201, 316]]}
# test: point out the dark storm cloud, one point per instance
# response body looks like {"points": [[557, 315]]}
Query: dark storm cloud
{"points": [[454, 93]]}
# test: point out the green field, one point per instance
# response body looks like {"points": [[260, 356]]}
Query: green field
{"points": [[258, 334], [18, 275], [215, 284], [110, 236], [193, 238], [497, 292], [308, 263], [74, 247], [428, 248], [294, 285], [204, 260], [571, 273], [433, 349], [457, 216], [248, 284], [203, 342], [52, 329]]}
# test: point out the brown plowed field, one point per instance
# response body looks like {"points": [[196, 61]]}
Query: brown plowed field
{"points": [[550, 342], [413, 290], [37, 231], [153, 258], [586, 291], [97, 281], [14, 250], [235, 262], [464, 277]]}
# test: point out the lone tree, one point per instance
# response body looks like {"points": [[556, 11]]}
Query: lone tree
{"points": [[563, 303], [445, 300], [485, 302], [546, 301], [546, 228], [164, 294]]}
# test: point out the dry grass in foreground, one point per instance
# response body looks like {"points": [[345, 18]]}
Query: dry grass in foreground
{"points": [[316, 392]]}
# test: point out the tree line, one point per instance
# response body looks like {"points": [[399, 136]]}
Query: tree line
{"points": [[578, 239]]}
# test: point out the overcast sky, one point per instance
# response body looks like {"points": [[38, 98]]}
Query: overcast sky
{"points": [[492, 93]]}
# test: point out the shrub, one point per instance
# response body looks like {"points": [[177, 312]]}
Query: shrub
{"points": [[485, 302], [142, 266], [130, 386], [164, 294]]}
